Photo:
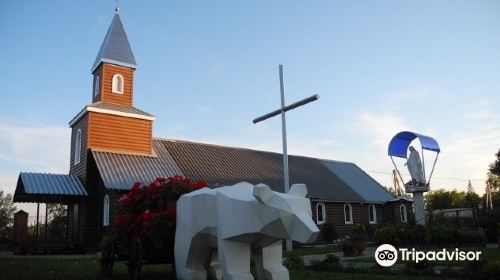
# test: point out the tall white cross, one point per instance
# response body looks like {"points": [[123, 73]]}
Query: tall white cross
{"points": [[282, 110]]}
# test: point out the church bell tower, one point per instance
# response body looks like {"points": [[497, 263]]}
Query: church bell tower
{"points": [[111, 122]]}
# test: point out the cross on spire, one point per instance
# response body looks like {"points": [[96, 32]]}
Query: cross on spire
{"points": [[117, 8]]}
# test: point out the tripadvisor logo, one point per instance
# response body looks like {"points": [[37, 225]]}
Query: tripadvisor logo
{"points": [[387, 255]]}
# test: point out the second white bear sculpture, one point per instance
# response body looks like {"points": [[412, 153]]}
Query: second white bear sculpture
{"points": [[220, 230]]}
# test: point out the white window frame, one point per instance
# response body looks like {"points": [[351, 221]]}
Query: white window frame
{"points": [[116, 79], [403, 214], [323, 213], [374, 221], [97, 86], [105, 215], [78, 146], [350, 222]]}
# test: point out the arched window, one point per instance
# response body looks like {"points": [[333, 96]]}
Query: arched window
{"points": [[347, 213], [320, 213], [402, 213], [97, 86], [78, 145], [117, 85], [372, 214], [105, 215]]}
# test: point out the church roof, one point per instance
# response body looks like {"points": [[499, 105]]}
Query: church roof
{"points": [[359, 181], [45, 187], [121, 171], [113, 109], [115, 48], [222, 165], [118, 107]]}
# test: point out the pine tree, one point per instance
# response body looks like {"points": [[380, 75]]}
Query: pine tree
{"points": [[470, 189]]}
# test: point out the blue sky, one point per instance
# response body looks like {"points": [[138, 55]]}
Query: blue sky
{"points": [[207, 68]]}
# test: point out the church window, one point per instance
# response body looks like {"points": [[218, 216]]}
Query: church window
{"points": [[78, 146], [105, 216], [117, 84], [403, 214], [96, 86], [372, 214], [320, 213], [347, 213]]}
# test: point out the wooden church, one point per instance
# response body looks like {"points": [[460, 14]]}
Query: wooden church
{"points": [[112, 147]]}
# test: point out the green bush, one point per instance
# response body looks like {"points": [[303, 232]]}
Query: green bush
{"points": [[489, 220], [420, 268], [431, 234], [294, 262], [348, 247], [370, 231], [329, 233], [490, 270], [330, 263], [395, 234]]}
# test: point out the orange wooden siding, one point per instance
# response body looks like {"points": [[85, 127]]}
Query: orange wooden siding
{"points": [[107, 71], [117, 133]]}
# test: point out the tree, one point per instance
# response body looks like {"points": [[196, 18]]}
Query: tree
{"points": [[495, 166], [493, 181], [470, 189], [471, 199], [443, 199], [7, 210], [457, 199], [438, 199], [57, 221]]}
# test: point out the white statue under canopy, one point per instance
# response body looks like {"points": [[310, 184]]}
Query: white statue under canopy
{"points": [[414, 164]]}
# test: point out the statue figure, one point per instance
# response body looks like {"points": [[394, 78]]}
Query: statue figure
{"points": [[220, 230], [415, 166]]}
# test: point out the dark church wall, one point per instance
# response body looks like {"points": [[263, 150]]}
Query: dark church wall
{"points": [[114, 196], [91, 207], [80, 168], [387, 213], [393, 208]]}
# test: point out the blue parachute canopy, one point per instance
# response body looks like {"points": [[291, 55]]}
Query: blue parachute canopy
{"points": [[398, 146]]}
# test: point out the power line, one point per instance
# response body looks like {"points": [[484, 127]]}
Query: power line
{"points": [[440, 178]]}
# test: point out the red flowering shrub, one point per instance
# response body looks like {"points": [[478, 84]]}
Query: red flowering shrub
{"points": [[148, 211]]}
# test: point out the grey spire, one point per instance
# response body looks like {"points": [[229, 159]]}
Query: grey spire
{"points": [[115, 48]]}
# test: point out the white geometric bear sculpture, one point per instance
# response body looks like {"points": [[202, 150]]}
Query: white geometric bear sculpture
{"points": [[235, 223]]}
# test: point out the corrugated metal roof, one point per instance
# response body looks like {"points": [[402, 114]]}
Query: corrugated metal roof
{"points": [[115, 48], [33, 184], [121, 171], [119, 108], [359, 181], [221, 165]]}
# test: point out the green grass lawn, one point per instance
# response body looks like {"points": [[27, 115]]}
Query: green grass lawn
{"points": [[488, 254], [311, 251], [80, 269], [71, 269], [315, 275]]}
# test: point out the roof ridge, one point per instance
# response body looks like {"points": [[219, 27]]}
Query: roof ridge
{"points": [[231, 147], [46, 173]]}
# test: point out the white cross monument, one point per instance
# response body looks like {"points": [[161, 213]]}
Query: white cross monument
{"points": [[282, 111]]}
